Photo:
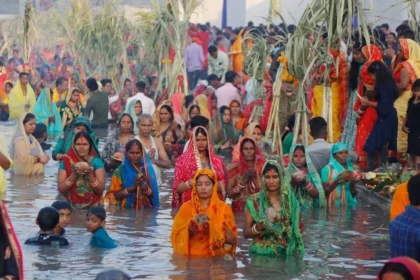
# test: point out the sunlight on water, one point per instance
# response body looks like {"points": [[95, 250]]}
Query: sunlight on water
{"points": [[345, 246]]}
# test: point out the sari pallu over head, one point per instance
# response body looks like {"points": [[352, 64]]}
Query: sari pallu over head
{"points": [[201, 101], [130, 174], [372, 53], [284, 235], [45, 108], [303, 196], [241, 123], [222, 132], [188, 164], [81, 192], [69, 133], [8, 238], [68, 111], [219, 213], [17, 100], [411, 53]]}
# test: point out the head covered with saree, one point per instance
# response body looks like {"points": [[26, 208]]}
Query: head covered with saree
{"points": [[338, 168], [69, 95], [157, 121], [372, 53], [249, 132], [283, 235], [81, 193], [259, 159], [45, 108], [220, 216], [131, 173], [201, 101], [411, 56], [131, 110], [312, 175], [29, 138], [17, 101], [9, 265], [189, 162], [241, 123], [404, 266], [69, 132], [222, 132]]}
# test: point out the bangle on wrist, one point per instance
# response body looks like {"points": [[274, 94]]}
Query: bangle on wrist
{"points": [[254, 230], [125, 192], [69, 183], [94, 184]]}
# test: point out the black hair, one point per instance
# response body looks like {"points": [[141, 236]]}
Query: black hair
{"points": [[247, 140], [188, 100], [84, 134], [127, 80], [8, 84], [385, 25], [230, 76], [15, 50], [131, 119], [113, 274], [48, 218], [28, 117], [408, 34], [213, 77], [199, 121], [216, 42], [202, 131], [192, 107], [290, 125], [393, 35], [98, 211], [413, 188], [60, 81], [170, 111], [302, 148], [317, 126], [269, 166], [62, 205], [223, 109], [40, 130], [355, 68], [106, 81], [416, 85], [92, 84], [132, 143], [141, 86], [151, 79], [383, 77], [250, 24], [401, 28], [212, 49], [398, 268], [22, 74]]}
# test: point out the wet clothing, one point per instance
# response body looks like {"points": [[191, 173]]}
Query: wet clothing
{"points": [[44, 239], [101, 239]]}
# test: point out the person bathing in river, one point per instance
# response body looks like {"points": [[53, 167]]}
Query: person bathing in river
{"points": [[134, 183], [65, 141], [81, 175], [46, 112], [22, 97], [153, 146], [95, 222], [245, 174], [48, 218], [135, 109], [65, 211], [224, 134], [113, 152], [306, 183]]}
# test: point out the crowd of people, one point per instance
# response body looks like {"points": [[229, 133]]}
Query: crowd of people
{"points": [[205, 134]]}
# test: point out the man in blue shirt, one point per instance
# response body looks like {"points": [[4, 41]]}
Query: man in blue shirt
{"points": [[404, 230]]}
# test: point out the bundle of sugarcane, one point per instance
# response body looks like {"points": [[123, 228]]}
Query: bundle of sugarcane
{"points": [[256, 58]]}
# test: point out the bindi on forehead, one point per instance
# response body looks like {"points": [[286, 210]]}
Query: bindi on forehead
{"points": [[82, 140]]}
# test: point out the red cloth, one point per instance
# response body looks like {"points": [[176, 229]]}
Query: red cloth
{"points": [[203, 36], [187, 165]]}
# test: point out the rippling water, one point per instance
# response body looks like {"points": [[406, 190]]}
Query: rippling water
{"points": [[350, 245]]}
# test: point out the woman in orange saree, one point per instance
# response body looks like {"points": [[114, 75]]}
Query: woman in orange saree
{"points": [[236, 56], [366, 117], [238, 118], [205, 225], [11, 262], [406, 72]]}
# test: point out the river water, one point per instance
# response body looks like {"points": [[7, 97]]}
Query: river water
{"points": [[348, 245]]}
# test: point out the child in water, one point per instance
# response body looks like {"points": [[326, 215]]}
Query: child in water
{"points": [[65, 211], [47, 220], [95, 222]]}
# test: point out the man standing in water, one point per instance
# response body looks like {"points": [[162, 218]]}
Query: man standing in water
{"points": [[98, 103], [154, 147]]}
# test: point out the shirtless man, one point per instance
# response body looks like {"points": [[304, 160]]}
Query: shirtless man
{"points": [[154, 147]]}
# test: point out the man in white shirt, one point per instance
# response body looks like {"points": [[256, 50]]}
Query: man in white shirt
{"points": [[147, 103], [218, 62], [228, 92]]}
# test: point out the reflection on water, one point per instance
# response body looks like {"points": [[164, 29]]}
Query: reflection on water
{"points": [[349, 245]]}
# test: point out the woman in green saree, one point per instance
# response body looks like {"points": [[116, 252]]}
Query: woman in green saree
{"points": [[272, 216], [224, 134], [306, 183], [46, 112], [72, 107]]}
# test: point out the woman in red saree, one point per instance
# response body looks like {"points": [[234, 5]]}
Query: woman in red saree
{"points": [[11, 262], [245, 174], [81, 175], [199, 155], [366, 117]]}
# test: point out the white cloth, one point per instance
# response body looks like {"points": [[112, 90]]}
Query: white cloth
{"points": [[218, 66], [146, 103], [157, 170], [227, 94], [249, 87]]}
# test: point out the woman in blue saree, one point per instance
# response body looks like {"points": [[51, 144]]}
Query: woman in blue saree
{"points": [[65, 141], [134, 183], [46, 112], [338, 177]]}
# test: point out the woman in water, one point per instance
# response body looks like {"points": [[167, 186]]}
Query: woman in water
{"points": [[224, 134], [46, 112], [135, 109], [238, 119], [27, 154], [205, 225], [133, 183], [72, 107], [81, 175]]}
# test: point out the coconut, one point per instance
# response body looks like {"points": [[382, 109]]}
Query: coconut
{"points": [[82, 166], [201, 219], [273, 215]]}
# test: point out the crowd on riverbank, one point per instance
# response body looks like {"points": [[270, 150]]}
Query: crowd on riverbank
{"points": [[206, 135]]}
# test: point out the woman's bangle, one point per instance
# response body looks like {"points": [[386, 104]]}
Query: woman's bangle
{"points": [[69, 183], [254, 230], [95, 184], [236, 189], [188, 184], [148, 192], [125, 192]]}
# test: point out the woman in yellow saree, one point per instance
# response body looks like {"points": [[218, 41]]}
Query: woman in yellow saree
{"points": [[236, 56], [205, 225], [22, 97], [406, 72], [202, 102]]}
